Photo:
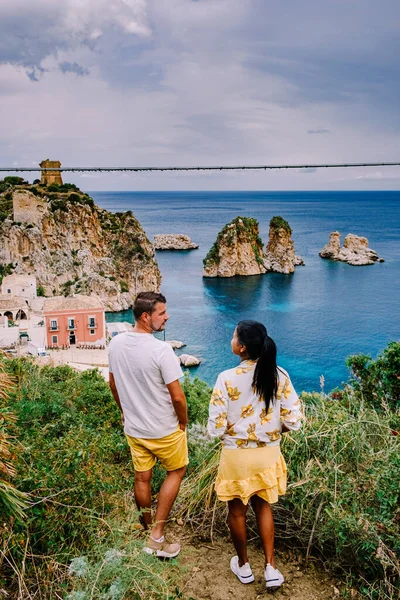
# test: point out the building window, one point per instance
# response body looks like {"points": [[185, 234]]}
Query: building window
{"points": [[92, 332], [53, 324], [71, 323], [54, 339], [23, 289], [92, 322], [8, 291]]}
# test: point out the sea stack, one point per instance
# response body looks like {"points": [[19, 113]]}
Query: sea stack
{"points": [[173, 241], [238, 250], [355, 250], [280, 256]]}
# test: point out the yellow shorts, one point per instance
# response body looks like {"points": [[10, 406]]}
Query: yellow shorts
{"points": [[171, 451]]}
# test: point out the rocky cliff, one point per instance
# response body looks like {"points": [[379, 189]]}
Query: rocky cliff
{"points": [[73, 246], [238, 250], [280, 256], [355, 250]]}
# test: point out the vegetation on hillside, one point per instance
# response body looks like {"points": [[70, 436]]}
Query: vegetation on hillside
{"points": [[79, 538]]}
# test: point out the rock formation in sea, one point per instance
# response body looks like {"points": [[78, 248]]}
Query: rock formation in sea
{"points": [[238, 250], [280, 256], [187, 360], [72, 246], [355, 250], [175, 344], [173, 241]]}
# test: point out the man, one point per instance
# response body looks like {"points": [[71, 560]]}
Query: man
{"points": [[144, 380]]}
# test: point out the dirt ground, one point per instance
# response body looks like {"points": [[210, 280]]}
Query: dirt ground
{"points": [[208, 575]]}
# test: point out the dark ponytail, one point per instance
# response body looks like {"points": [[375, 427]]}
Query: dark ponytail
{"points": [[262, 348]]}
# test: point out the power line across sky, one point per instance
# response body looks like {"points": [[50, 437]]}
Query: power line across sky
{"points": [[16, 169]]}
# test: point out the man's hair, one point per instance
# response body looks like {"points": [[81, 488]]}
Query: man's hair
{"points": [[145, 302]]}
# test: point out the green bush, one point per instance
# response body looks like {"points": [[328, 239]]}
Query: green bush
{"points": [[14, 180], [124, 287], [280, 223], [377, 382], [40, 291]]}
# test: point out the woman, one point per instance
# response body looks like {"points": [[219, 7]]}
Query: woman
{"points": [[251, 405]]}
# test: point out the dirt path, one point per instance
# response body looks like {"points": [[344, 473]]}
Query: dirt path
{"points": [[209, 577]]}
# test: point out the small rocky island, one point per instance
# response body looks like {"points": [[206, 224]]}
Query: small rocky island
{"points": [[355, 250], [57, 233], [280, 256], [238, 250], [173, 241]]}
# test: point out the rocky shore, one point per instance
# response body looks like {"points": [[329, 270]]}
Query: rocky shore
{"points": [[355, 250]]}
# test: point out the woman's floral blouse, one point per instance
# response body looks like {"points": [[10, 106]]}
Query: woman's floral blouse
{"points": [[238, 415]]}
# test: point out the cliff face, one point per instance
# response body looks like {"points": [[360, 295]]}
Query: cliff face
{"points": [[355, 250], [237, 251], [73, 246], [280, 256]]}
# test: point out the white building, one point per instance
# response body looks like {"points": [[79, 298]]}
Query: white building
{"points": [[23, 286]]}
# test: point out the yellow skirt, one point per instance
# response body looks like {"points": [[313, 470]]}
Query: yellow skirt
{"points": [[247, 472]]}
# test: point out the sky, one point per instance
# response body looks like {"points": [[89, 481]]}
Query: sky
{"points": [[203, 82]]}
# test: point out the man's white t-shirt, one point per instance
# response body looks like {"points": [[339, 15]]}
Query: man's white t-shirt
{"points": [[142, 367]]}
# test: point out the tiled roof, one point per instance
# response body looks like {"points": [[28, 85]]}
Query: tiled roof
{"points": [[8, 302], [19, 279], [77, 302]]}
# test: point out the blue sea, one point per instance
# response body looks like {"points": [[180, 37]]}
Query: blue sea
{"points": [[318, 316]]}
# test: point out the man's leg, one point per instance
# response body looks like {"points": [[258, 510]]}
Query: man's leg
{"points": [[166, 498], [142, 491]]}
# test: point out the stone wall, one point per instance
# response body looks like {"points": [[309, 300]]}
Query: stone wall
{"points": [[49, 176]]}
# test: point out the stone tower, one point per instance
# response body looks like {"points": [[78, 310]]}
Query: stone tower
{"points": [[49, 176]]}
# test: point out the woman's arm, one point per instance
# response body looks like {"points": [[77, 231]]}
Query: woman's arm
{"points": [[218, 411], [291, 408]]}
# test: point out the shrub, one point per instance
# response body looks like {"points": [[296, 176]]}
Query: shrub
{"points": [[124, 287], [280, 223], [377, 382], [40, 291], [14, 180]]}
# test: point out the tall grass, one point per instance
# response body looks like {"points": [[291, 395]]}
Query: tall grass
{"points": [[342, 503]]}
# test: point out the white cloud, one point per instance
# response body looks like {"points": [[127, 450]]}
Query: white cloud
{"points": [[206, 82]]}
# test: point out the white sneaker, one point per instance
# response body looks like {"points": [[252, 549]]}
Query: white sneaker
{"points": [[273, 578], [243, 573]]}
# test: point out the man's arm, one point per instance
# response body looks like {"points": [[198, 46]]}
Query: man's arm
{"points": [[114, 392], [178, 400]]}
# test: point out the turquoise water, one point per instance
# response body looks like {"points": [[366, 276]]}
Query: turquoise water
{"points": [[318, 316]]}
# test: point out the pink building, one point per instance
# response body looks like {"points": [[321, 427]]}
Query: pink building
{"points": [[74, 320]]}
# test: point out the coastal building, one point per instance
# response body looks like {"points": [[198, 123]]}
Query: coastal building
{"points": [[13, 307], [74, 320], [23, 286], [50, 176], [114, 329]]}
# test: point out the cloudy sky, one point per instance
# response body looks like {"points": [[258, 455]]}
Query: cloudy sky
{"points": [[202, 82]]}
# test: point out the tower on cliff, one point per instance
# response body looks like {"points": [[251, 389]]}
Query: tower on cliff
{"points": [[48, 175]]}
